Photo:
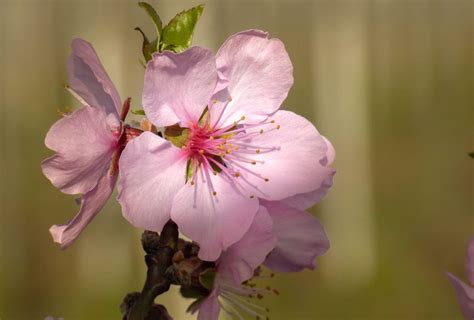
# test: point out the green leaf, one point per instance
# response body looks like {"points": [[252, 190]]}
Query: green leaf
{"points": [[177, 135], [154, 16], [178, 33], [148, 48], [138, 112], [207, 277], [471, 154]]}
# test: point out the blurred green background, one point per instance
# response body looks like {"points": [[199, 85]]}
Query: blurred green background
{"points": [[390, 83]]}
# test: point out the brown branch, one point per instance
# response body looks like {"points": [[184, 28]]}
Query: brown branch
{"points": [[159, 253]]}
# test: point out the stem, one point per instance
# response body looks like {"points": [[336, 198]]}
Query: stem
{"points": [[160, 250]]}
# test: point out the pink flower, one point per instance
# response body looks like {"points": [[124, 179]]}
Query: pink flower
{"points": [[464, 292], [235, 266], [239, 147], [282, 238], [85, 141]]}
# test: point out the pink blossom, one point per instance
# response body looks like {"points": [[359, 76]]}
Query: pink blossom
{"points": [[235, 266], [85, 141], [464, 292], [239, 147], [283, 238]]}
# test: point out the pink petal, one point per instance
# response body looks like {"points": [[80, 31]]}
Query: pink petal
{"points": [[151, 171], [241, 259], [178, 86], [301, 238], [258, 72], [294, 166], [469, 263], [465, 295], [214, 222], [305, 201], [84, 144], [89, 80], [330, 153], [91, 203], [210, 308]]}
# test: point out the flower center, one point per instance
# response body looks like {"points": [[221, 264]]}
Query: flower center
{"points": [[226, 150]]}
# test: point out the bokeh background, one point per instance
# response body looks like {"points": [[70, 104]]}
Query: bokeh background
{"points": [[390, 83]]}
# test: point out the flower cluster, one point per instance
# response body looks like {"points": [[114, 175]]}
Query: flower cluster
{"points": [[221, 160]]}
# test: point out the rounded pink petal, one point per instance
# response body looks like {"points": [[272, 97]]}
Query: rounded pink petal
{"points": [[178, 87], [465, 296], [258, 74], [91, 203], [210, 308], [84, 144], [288, 160], [301, 238], [89, 80], [330, 153], [151, 171], [241, 259], [305, 201], [215, 222], [469, 263]]}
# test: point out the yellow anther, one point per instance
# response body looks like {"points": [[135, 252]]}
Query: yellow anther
{"points": [[261, 131], [211, 138], [228, 151], [278, 127], [214, 101], [257, 151], [201, 151], [215, 173], [229, 99], [273, 121], [237, 174], [192, 183], [242, 118]]}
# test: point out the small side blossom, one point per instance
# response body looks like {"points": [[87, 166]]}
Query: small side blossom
{"points": [[234, 268], [283, 238], [238, 148], [86, 141], [464, 292]]}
